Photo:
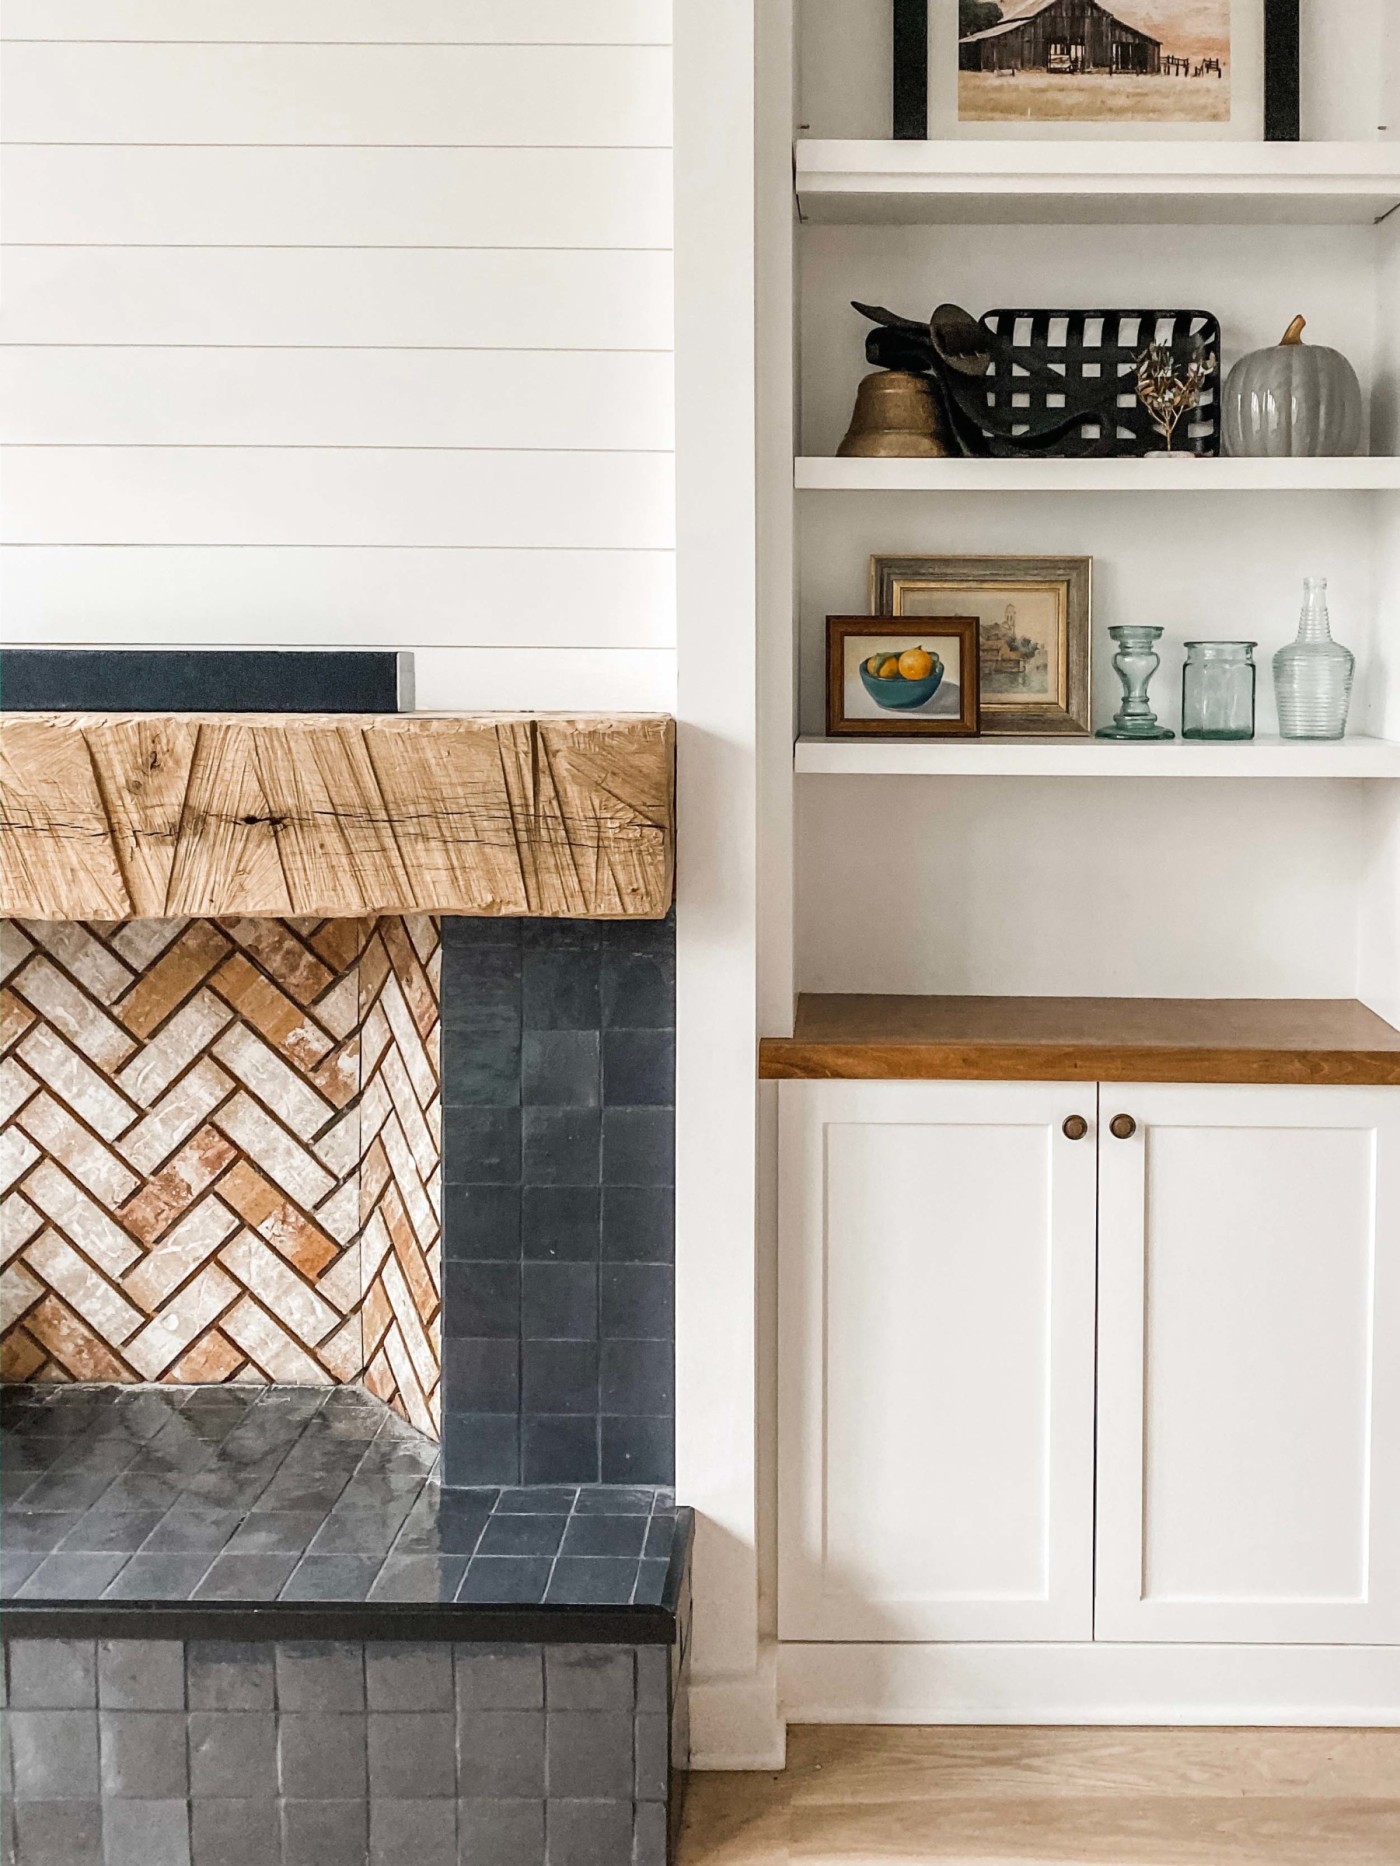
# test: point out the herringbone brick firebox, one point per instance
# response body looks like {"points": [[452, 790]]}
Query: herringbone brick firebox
{"points": [[220, 1153]]}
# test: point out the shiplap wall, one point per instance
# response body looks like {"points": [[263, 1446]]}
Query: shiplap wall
{"points": [[344, 322]]}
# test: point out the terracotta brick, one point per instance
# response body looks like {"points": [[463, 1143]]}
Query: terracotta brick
{"points": [[212, 1360], [374, 969], [85, 1024], [271, 1012], [264, 1341], [15, 947], [282, 1089], [379, 1378], [16, 1087], [76, 1083], [279, 1156], [377, 1316], [18, 1223], [83, 1288], [15, 1018], [343, 1353], [53, 1129], [156, 1064], [17, 1155], [96, 968], [73, 1344], [81, 1219], [167, 1336], [338, 1010], [176, 1115], [418, 994], [141, 942], [338, 1077], [284, 954], [194, 1168], [415, 1057], [20, 1356], [339, 942], [179, 1254], [18, 1291], [301, 1242], [278, 1288], [185, 964]]}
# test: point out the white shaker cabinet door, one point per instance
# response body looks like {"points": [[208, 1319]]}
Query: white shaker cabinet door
{"points": [[1249, 1366], [936, 1361]]}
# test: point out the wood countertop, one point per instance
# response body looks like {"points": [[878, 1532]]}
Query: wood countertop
{"points": [[1322, 1041]]}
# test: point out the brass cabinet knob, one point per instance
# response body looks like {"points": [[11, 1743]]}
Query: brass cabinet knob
{"points": [[1075, 1128], [1122, 1127]]}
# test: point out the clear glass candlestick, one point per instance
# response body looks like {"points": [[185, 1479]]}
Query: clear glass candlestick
{"points": [[1313, 675], [1137, 661]]}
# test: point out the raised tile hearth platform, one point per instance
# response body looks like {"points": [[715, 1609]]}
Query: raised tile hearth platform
{"points": [[248, 1627]]}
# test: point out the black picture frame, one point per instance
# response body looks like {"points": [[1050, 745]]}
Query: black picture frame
{"points": [[1282, 71]]}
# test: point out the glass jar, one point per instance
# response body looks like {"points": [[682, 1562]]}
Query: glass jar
{"points": [[1217, 690]]}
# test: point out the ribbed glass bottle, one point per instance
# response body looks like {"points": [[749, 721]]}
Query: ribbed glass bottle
{"points": [[1313, 675]]}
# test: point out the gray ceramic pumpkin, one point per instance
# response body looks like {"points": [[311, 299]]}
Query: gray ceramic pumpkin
{"points": [[1296, 401]]}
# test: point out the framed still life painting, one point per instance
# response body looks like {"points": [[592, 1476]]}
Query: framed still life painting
{"points": [[891, 679], [1097, 69], [1033, 631]]}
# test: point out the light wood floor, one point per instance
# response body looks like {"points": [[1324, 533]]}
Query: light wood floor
{"points": [[1002, 1797]]}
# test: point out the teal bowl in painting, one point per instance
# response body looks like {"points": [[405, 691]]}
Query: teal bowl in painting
{"points": [[901, 695]]}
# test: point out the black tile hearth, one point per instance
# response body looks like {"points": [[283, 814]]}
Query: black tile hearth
{"points": [[320, 1498]]}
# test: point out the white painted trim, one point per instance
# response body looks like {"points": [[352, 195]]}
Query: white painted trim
{"points": [[734, 1722], [1306, 1686], [716, 573]]}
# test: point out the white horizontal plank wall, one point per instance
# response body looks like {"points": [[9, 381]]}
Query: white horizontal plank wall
{"points": [[344, 324]]}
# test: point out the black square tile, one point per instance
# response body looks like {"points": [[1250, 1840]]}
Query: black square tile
{"points": [[654, 936], [638, 1224], [110, 1530], [639, 991], [559, 1302], [561, 1146], [560, 1449], [159, 1577], [480, 1448], [506, 1581], [637, 1301], [481, 1300], [332, 1577], [422, 1578], [481, 1146], [561, 1224], [77, 1576], [537, 1500], [562, 990], [481, 1222], [247, 1577], [637, 1377], [522, 1535], [638, 1451], [592, 1581], [462, 934], [606, 1535], [562, 1069], [639, 1068], [617, 1500], [558, 933], [482, 1375], [639, 1147], [560, 1377]]}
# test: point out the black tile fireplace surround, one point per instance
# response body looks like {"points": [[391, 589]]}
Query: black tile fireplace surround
{"points": [[250, 1626]]}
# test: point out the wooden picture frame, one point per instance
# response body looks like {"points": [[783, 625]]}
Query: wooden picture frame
{"points": [[877, 707], [1054, 596], [1282, 101]]}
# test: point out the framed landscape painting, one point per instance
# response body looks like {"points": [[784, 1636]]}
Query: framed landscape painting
{"points": [[1110, 69], [1034, 632]]}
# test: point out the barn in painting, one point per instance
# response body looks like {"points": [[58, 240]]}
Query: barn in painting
{"points": [[1063, 37]]}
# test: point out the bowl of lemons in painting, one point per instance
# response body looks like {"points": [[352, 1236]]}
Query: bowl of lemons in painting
{"points": [[902, 681]]}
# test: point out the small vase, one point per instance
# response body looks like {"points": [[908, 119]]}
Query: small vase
{"points": [[1217, 690], [1313, 675], [1137, 661]]}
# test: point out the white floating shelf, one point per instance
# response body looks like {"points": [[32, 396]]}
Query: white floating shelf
{"points": [[1157, 473], [1110, 184], [1352, 757]]}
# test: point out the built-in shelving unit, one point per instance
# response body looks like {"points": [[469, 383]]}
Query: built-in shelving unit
{"points": [[1353, 757], [1104, 184]]}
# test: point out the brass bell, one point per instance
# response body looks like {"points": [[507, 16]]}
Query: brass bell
{"points": [[898, 415]]}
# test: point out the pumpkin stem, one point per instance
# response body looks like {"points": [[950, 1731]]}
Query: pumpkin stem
{"points": [[1294, 333]]}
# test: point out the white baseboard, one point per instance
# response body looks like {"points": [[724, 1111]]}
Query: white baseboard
{"points": [[1090, 1684], [734, 1722]]}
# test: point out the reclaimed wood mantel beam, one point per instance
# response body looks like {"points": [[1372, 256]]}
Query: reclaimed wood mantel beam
{"points": [[162, 816]]}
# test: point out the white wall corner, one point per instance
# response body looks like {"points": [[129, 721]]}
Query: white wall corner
{"points": [[735, 1723]]}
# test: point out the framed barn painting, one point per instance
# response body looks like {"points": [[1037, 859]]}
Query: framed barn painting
{"points": [[1097, 69], [1033, 631]]}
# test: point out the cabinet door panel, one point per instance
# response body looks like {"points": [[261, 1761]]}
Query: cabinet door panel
{"points": [[1249, 1315], [936, 1418]]}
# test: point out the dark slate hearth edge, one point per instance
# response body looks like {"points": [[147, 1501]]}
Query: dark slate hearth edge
{"points": [[365, 1620], [190, 680]]}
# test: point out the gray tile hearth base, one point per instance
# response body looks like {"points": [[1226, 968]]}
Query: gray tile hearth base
{"points": [[133, 1752]]}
